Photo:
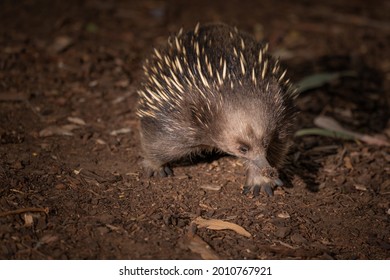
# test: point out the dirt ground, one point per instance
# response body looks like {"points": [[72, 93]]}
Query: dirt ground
{"points": [[70, 182]]}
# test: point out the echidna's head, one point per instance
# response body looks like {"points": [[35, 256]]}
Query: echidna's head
{"points": [[256, 127]]}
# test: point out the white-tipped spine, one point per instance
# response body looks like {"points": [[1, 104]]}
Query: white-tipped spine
{"points": [[196, 28], [260, 56], [242, 44], [188, 67], [158, 54], [177, 43], [202, 78], [254, 77], [282, 76], [224, 70], [264, 71], [242, 63]]}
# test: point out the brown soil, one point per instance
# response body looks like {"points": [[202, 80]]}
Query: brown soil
{"points": [[70, 190]]}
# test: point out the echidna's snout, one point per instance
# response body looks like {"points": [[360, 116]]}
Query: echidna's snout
{"points": [[266, 170], [261, 162]]}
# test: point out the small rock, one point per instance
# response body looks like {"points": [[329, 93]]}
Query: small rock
{"points": [[102, 230], [315, 218], [360, 187], [105, 218], [93, 83], [297, 238], [282, 232], [17, 165], [60, 186], [41, 223]]}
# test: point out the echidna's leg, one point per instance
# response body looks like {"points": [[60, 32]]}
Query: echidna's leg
{"points": [[155, 167], [156, 149], [257, 181], [161, 146], [158, 153]]}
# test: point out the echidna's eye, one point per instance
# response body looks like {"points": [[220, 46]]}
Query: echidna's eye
{"points": [[243, 149]]}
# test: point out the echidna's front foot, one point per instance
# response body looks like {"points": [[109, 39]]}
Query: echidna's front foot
{"points": [[156, 170], [266, 187], [262, 179], [163, 171], [256, 189]]}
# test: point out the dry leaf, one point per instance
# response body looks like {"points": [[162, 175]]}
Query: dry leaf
{"points": [[114, 228], [120, 131], [100, 142], [348, 163], [77, 172], [61, 43], [221, 225], [28, 220], [374, 140], [211, 187], [46, 239], [58, 130], [199, 246], [283, 215], [76, 120]]}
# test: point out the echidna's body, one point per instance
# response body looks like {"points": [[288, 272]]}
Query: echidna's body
{"points": [[216, 88]]}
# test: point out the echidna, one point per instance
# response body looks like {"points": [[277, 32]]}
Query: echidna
{"points": [[216, 88]]}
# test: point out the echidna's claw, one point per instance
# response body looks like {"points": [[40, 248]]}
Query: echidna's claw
{"points": [[168, 171], [162, 171], [247, 189], [256, 189], [279, 182], [267, 188]]}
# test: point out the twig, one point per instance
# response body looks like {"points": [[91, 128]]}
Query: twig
{"points": [[23, 210]]}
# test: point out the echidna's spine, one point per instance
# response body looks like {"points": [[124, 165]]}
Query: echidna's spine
{"points": [[195, 64]]}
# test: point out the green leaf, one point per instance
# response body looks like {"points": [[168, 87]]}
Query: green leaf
{"points": [[331, 128], [324, 132], [318, 80], [92, 28]]}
